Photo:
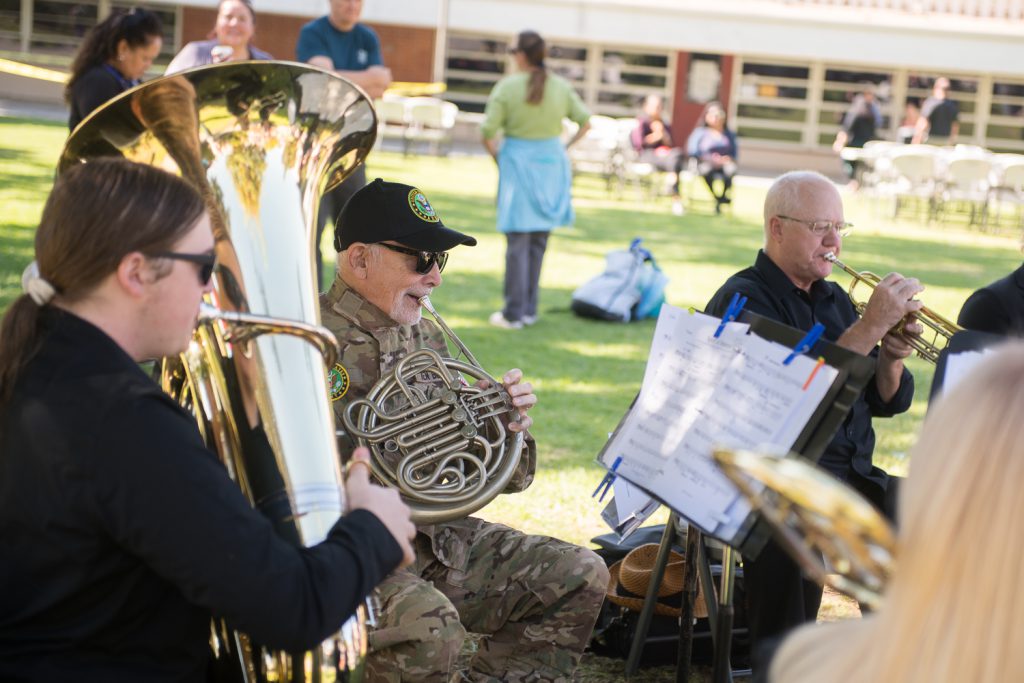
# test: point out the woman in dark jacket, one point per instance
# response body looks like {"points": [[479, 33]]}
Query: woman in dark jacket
{"points": [[114, 57]]}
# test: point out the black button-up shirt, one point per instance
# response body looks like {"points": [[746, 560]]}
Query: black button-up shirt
{"points": [[771, 293]]}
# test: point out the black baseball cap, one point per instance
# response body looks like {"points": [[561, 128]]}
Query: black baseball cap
{"points": [[383, 211]]}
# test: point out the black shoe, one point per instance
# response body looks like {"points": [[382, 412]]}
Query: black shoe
{"points": [[725, 200]]}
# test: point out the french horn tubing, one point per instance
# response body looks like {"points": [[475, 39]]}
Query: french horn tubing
{"points": [[938, 330], [814, 515], [437, 431]]}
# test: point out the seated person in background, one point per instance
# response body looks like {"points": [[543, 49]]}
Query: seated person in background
{"points": [[534, 598], [997, 308], [952, 607], [803, 221], [232, 39], [121, 534], [714, 147], [939, 123], [860, 124], [652, 139]]}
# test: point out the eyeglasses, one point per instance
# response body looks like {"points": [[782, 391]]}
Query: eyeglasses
{"points": [[425, 260], [206, 262], [820, 228]]}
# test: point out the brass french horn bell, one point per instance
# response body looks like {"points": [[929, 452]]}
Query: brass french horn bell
{"points": [[814, 515], [938, 330]]}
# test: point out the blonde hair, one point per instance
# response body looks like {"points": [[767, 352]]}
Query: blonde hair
{"points": [[952, 611]]}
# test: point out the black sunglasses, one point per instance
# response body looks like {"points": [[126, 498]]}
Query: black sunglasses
{"points": [[206, 262], [425, 260]]}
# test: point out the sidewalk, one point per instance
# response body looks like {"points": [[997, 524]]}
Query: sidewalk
{"points": [[32, 110]]}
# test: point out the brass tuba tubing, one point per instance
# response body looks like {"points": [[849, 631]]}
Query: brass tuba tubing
{"points": [[939, 329]]}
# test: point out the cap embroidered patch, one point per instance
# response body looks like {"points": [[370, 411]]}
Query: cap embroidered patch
{"points": [[421, 207], [337, 380]]}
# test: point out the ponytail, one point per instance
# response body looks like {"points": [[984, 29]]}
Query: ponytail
{"points": [[533, 49], [19, 342]]}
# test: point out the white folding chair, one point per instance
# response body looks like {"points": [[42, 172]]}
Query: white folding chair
{"points": [[431, 120]]}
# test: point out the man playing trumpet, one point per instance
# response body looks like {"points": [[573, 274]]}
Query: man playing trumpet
{"points": [[803, 221], [535, 598]]}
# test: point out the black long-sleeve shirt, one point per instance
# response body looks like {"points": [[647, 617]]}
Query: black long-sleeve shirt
{"points": [[121, 534], [772, 294]]}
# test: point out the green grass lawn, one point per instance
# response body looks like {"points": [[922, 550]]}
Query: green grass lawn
{"points": [[585, 373]]}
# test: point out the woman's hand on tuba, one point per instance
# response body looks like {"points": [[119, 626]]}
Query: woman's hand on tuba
{"points": [[384, 503]]}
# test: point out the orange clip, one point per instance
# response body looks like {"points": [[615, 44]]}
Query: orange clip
{"points": [[817, 366]]}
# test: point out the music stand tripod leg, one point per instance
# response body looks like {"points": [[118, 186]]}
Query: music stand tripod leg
{"points": [[719, 611], [644, 622], [684, 654]]}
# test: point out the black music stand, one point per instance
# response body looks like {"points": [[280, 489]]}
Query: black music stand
{"points": [[854, 372]]}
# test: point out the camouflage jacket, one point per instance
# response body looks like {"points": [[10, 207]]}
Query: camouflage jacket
{"points": [[371, 343]]}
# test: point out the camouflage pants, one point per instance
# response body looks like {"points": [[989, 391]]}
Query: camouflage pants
{"points": [[534, 598]]}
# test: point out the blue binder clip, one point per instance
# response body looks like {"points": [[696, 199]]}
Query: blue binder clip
{"points": [[806, 344], [606, 483], [736, 305]]}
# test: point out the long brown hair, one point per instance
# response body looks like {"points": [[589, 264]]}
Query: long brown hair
{"points": [[95, 215], [534, 50], [137, 27]]}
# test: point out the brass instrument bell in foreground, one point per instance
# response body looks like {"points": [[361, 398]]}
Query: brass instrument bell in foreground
{"points": [[813, 514]]}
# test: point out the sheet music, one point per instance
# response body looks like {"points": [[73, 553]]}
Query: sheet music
{"points": [[960, 365], [700, 392]]}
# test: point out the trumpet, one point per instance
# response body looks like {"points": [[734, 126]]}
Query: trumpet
{"points": [[938, 330]]}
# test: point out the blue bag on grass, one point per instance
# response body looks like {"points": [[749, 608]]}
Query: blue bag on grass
{"points": [[632, 287]]}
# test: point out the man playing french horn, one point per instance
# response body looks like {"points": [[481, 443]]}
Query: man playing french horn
{"points": [[534, 598], [803, 222]]}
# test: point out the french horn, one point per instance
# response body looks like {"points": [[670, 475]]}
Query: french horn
{"points": [[261, 141], [813, 516], [938, 330], [437, 431]]}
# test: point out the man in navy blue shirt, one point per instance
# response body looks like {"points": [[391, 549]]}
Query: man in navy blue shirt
{"points": [[803, 221], [338, 42]]}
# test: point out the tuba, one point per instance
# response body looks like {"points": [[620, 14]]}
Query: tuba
{"points": [[938, 329], [261, 141], [814, 515], [436, 433]]}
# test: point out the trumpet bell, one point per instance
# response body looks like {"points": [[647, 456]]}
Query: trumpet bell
{"points": [[814, 515]]}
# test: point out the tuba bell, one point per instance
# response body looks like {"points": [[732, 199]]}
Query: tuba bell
{"points": [[813, 515], [436, 434], [938, 330], [261, 141]]}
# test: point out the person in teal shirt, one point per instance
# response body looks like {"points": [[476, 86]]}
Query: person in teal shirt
{"points": [[339, 43], [534, 174]]}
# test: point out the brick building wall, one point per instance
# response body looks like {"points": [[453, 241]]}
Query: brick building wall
{"points": [[408, 51]]}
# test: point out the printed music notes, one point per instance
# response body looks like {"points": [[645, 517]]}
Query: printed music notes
{"points": [[707, 385]]}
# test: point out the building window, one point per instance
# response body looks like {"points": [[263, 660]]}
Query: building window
{"points": [[611, 82], [58, 26], [772, 102], [1005, 129], [10, 25], [841, 86]]}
